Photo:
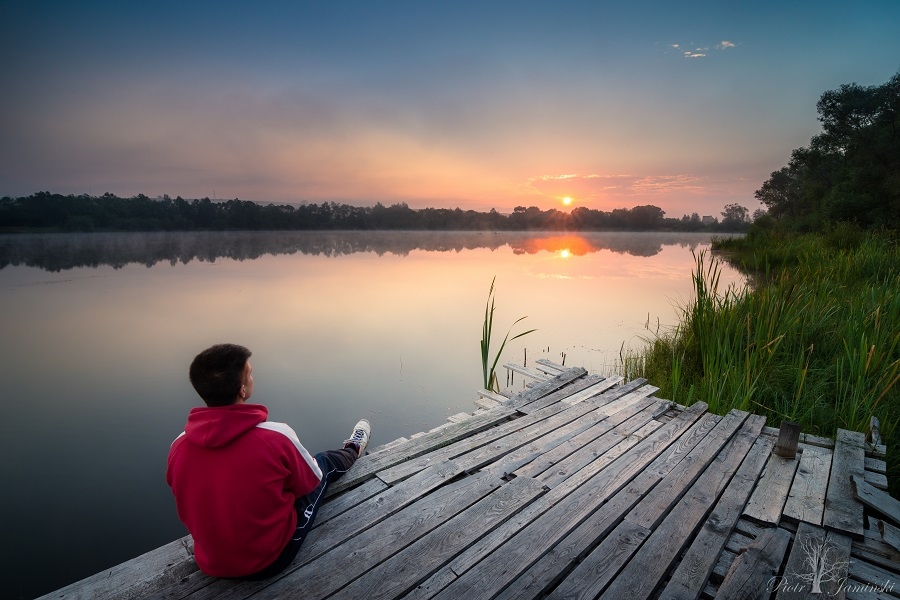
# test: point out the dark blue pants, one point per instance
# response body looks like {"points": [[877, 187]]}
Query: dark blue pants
{"points": [[333, 463]]}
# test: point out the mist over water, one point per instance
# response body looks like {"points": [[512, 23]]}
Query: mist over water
{"points": [[99, 329]]}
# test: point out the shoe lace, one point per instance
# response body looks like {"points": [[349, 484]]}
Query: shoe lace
{"points": [[357, 436]]}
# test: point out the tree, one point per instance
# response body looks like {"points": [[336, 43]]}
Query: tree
{"points": [[735, 214], [850, 171]]}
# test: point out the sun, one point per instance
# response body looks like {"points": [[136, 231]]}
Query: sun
{"points": [[567, 201]]}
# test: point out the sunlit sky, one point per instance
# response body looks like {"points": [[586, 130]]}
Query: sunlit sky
{"points": [[685, 105]]}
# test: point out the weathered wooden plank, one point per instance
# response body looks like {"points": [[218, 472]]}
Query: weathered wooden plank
{"points": [[486, 403], [592, 385], [889, 534], [488, 453], [603, 560], [817, 564], [139, 576], [459, 417], [652, 508], [805, 438], [593, 391], [771, 493], [613, 552], [648, 567], [842, 511], [699, 560], [738, 540], [877, 480], [876, 465], [403, 571], [366, 467], [723, 564], [874, 579], [402, 470], [548, 364], [806, 499], [537, 580], [549, 442], [605, 449], [499, 399], [339, 504], [532, 373], [431, 586], [752, 574], [545, 388], [499, 568], [613, 391], [341, 565], [555, 455], [880, 501], [872, 548]]}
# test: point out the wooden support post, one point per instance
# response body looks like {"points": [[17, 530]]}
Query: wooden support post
{"points": [[874, 437], [788, 438]]}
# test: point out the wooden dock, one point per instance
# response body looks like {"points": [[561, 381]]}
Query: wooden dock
{"points": [[578, 487]]}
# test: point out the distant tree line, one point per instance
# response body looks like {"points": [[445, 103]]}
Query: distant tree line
{"points": [[851, 171], [56, 212]]}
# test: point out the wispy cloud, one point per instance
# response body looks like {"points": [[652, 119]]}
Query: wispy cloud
{"points": [[699, 51]]}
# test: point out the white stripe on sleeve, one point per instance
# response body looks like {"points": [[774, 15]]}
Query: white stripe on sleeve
{"points": [[290, 434]]}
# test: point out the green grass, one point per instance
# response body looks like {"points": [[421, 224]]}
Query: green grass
{"points": [[815, 339]]}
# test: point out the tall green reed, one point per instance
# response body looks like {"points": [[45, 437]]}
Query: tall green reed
{"points": [[488, 368], [814, 340]]}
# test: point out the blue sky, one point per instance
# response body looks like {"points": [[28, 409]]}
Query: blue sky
{"points": [[688, 106]]}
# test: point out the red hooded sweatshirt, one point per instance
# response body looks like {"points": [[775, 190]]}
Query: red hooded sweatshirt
{"points": [[235, 477]]}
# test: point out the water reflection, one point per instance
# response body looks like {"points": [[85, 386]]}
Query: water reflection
{"points": [[342, 325], [58, 252]]}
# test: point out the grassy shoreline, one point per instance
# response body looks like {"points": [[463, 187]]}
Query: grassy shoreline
{"points": [[814, 339]]}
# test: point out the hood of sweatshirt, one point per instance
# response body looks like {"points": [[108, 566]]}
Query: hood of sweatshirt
{"points": [[217, 426]]}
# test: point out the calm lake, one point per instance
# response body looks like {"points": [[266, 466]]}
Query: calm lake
{"points": [[98, 331]]}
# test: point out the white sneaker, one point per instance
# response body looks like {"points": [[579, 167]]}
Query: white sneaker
{"points": [[360, 436]]}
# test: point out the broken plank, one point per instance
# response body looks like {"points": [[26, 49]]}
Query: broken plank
{"points": [[550, 365], [614, 548], [817, 564], [806, 499], [548, 387], [699, 560], [771, 493], [648, 568], [880, 501], [494, 572], [532, 373], [843, 512], [753, 572]]}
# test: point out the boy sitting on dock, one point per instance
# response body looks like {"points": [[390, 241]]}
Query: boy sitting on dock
{"points": [[246, 488]]}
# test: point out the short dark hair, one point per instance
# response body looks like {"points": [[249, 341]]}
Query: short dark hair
{"points": [[217, 373]]}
